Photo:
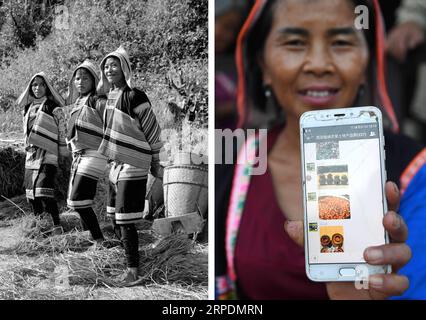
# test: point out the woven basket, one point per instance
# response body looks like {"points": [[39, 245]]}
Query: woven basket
{"points": [[187, 158], [185, 189]]}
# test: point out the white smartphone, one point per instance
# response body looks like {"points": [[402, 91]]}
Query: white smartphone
{"points": [[343, 180]]}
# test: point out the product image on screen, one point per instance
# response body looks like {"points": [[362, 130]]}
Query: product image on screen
{"points": [[343, 185], [334, 207], [331, 239]]}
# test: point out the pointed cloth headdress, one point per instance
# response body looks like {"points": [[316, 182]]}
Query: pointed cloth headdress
{"points": [[26, 96], [121, 54], [72, 90]]}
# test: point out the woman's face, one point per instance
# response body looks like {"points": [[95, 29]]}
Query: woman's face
{"points": [[83, 81], [314, 58], [112, 70], [38, 87]]}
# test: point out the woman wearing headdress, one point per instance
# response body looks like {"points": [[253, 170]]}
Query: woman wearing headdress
{"points": [[132, 141], [84, 135], [44, 130], [294, 56]]}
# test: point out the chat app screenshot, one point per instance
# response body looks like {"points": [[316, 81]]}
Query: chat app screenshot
{"points": [[343, 192]]}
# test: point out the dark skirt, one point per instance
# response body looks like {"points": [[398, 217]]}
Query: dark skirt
{"points": [[126, 200], [82, 191], [39, 183]]}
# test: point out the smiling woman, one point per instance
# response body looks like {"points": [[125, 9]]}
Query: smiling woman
{"points": [[131, 139], [325, 57], [301, 55]]}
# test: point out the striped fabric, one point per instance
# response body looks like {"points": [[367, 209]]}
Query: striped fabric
{"points": [[79, 204], [44, 192], [81, 192], [41, 150], [85, 129], [89, 163], [50, 158], [31, 115], [39, 193], [44, 133], [148, 123], [86, 169], [123, 140], [126, 218], [125, 172]]}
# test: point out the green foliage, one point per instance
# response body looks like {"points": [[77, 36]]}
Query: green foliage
{"points": [[28, 20], [159, 35]]}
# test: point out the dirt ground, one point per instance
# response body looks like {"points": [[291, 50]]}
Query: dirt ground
{"points": [[38, 286], [22, 278]]}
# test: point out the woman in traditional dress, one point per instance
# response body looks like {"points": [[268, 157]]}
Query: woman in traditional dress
{"points": [[44, 130], [132, 141], [294, 56], [84, 137]]}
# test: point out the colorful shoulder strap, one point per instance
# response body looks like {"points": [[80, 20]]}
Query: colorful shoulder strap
{"points": [[243, 170]]}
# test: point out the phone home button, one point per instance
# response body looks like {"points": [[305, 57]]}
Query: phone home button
{"points": [[347, 272]]}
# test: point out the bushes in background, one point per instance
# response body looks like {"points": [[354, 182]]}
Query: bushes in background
{"points": [[159, 35]]}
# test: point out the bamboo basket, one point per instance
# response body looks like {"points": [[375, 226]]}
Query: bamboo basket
{"points": [[185, 188]]}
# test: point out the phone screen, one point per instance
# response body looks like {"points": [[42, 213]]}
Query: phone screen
{"points": [[344, 192]]}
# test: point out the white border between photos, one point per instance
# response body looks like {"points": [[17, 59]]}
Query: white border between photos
{"points": [[211, 153]]}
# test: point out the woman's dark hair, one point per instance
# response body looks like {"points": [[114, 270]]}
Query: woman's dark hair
{"points": [[256, 42], [48, 93]]}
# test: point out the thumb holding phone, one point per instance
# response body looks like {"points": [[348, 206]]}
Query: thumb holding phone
{"points": [[396, 254]]}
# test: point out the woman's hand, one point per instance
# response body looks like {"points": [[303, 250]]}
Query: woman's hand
{"points": [[397, 254]]}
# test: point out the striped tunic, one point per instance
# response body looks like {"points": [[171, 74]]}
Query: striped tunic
{"points": [[85, 128], [84, 137], [44, 131], [131, 133]]}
